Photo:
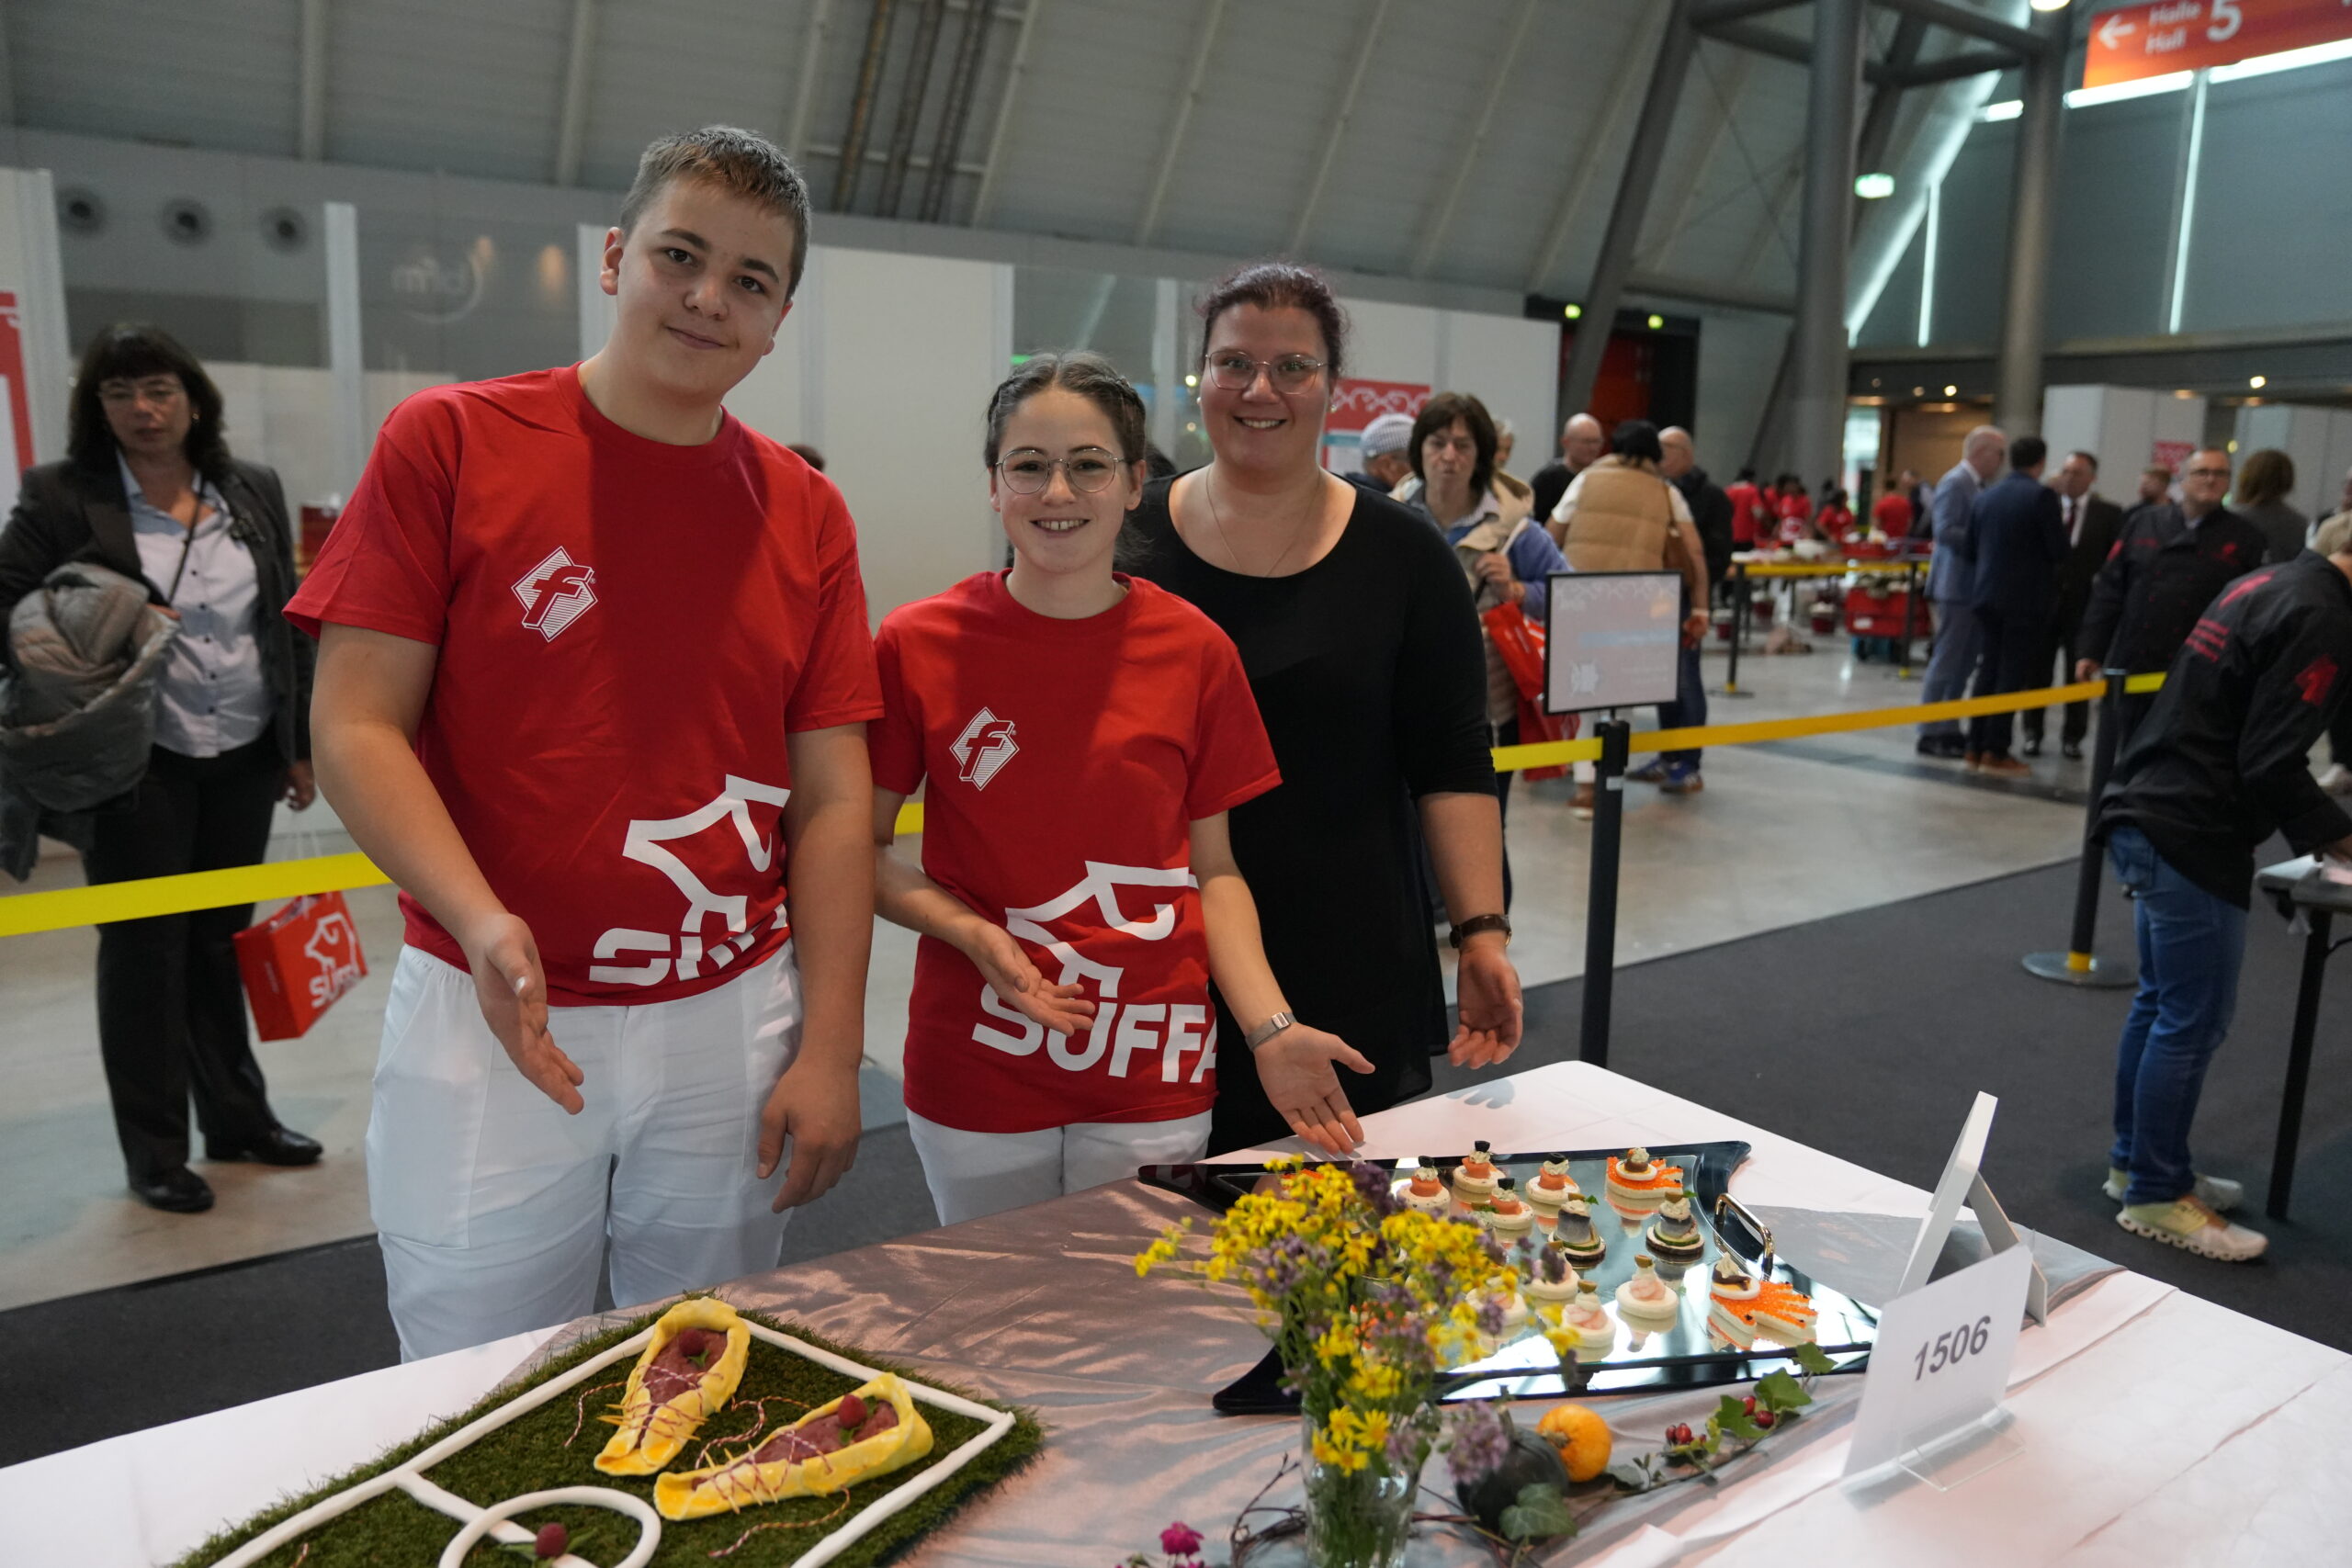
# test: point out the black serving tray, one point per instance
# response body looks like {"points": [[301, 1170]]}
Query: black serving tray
{"points": [[1647, 1357]]}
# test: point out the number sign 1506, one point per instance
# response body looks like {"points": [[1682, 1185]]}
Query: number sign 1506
{"points": [[1949, 1348]]}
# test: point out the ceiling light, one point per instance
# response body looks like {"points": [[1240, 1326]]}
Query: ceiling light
{"points": [[1919, 391], [2117, 92], [1656, 321], [2258, 380], [2049, 5], [1572, 312], [1192, 380], [1951, 391], [2182, 392], [1874, 186], [2008, 108]]}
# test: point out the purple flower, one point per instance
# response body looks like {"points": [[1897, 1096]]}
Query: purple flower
{"points": [[1180, 1540], [1490, 1316], [1479, 1443]]}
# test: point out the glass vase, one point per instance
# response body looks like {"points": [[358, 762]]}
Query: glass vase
{"points": [[1360, 1518]]}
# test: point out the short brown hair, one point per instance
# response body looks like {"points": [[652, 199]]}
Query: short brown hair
{"points": [[1440, 415], [2268, 475], [1091, 377], [740, 162], [1274, 285]]}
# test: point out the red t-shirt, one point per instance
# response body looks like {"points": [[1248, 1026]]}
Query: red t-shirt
{"points": [[1835, 523], [1891, 512], [1068, 760], [1794, 504], [627, 630], [1747, 510]]}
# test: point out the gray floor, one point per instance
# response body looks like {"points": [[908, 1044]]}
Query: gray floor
{"points": [[1785, 835]]}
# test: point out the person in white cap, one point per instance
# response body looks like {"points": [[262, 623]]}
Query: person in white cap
{"points": [[1385, 442]]}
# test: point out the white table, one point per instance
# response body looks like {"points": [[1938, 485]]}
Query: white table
{"points": [[2159, 1428]]}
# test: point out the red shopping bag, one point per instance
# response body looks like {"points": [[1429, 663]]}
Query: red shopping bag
{"points": [[298, 961], [1520, 641]]}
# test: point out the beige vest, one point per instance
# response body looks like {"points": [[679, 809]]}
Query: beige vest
{"points": [[1624, 522]]}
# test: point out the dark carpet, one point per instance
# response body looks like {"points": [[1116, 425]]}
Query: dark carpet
{"points": [[1866, 1036]]}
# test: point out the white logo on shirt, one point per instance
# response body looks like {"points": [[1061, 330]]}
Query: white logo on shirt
{"points": [[984, 748], [1118, 1030], [555, 593], [645, 843]]}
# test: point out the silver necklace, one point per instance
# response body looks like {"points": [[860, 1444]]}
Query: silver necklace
{"points": [[1298, 532]]}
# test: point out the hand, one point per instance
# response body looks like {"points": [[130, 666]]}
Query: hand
{"points": [[2086, 669], [1295, 1070], [1493, 566], [1487, 998], [817, 1110], [1514, 592], [1694, 628], [301, 785], [1004, 963], [513, 991]]}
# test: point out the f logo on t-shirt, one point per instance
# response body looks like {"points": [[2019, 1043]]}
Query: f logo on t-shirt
{"points": [[555, 593], [984, 748]]}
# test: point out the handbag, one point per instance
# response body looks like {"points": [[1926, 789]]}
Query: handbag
{"points": [[1519, 642], [299, 962]]}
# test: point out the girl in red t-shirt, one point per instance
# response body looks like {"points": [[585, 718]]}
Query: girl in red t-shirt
{"points": [[1083, 734], [1837, 518]]}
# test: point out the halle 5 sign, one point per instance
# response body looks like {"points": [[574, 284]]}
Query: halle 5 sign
{"points": [[2133, 41]]}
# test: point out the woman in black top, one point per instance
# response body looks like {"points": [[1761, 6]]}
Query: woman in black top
{"points": [[1356, 628], [149, 489]]}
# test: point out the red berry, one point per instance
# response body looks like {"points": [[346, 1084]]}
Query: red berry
{"points": [[1680, 1435], [1751, 1404], [852, 1414], [550, 1541], [690, 1342], [1764, 1419]]}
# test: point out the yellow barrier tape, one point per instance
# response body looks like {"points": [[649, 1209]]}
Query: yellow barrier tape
{"points": [[1824, 568], [26, 913]]}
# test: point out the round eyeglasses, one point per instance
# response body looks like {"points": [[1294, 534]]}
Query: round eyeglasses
{"points": [[1027, 473], [1235, 370]]}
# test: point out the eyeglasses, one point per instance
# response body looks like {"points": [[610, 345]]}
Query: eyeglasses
{"points": [[1236, 372], [2209, 473], [154, 390], [1028, 473]]}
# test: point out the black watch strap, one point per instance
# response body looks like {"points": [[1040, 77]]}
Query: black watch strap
{"points": [[1477, 923]]}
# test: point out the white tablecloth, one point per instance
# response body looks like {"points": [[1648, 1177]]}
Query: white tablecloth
{"points": [[2156, 1427]]}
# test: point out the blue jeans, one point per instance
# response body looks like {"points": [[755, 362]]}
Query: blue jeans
{"points": [[2191, 946], [1689, 708]]}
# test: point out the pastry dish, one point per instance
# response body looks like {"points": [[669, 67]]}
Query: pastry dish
{"points": [[1585, 1247], [688, 1371], [1426, 1193], [1475, 1178], [1552, 1186], [1646, 1295], [1740, 1306], [1508, 1214], [1638, 1184], [1589, 1322], [870, 1431], [1674, 1237], [1514, 1309]]}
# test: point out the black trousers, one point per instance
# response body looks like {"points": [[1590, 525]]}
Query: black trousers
{"points": [[171, 1009], [2061, 654], [2012, 641]]}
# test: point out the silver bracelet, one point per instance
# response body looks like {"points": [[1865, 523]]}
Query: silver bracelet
{"points": [[1267, 1029]]}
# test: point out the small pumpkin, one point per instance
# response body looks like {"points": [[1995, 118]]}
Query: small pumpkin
{"points": [[1581, 1437]]}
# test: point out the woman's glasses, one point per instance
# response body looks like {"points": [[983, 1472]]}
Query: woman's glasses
{"points": [[1028, 473], [1234, 371]]}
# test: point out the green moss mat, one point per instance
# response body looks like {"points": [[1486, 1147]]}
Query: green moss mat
{"points": [[528, 1455]]}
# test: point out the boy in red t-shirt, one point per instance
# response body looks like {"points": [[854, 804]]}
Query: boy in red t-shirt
{"points": [[593, 670], [1083, 734]]}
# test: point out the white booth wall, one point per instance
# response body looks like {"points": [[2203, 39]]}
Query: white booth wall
{"points": [[2126, 428], [2317, 440]]}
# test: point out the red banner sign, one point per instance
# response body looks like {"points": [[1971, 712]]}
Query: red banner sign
{"points": [[2134, 42], [1355, 404]]}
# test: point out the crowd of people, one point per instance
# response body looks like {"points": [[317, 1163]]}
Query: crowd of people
{"points": [[1204, 767]]}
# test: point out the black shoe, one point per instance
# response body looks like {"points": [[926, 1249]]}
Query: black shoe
{"points": [[2033, 746], [2071, 750], [277, 1146], [179, 1191]]}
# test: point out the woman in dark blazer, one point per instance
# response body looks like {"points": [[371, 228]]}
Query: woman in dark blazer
{"points": [[149, 490]]}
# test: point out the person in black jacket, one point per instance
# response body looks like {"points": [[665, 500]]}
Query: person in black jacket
{"points": [[2221, 762], [2092, 522], [149, 489], [2014, 543], [2166, 566]]}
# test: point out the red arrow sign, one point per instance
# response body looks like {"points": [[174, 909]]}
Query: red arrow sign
{"points": [[2133, 41]]}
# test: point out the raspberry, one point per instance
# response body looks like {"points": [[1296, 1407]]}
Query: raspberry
{"points": [[550, 1541], [852, 1414]]}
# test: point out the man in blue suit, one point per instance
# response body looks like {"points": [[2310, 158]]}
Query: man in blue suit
{"points": [[1950, 587], [2016, 542]]}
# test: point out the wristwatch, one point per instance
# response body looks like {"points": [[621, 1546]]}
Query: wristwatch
{"points": [[1267, 1029], [1477, 923]]}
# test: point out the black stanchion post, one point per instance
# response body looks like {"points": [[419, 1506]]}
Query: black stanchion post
{"points": [[1739, 594], [2078, 965], [1600, 888], [1910, 619]]}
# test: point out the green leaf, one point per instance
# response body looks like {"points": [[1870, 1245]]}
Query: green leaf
{"points": [[1539, 1514], [1731, 1416], [1810, 1357], [1639, 1474], [1778, 1391]]}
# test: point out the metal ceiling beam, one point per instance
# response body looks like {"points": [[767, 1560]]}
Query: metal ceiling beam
{"points": [[1339, 130], [1764, 40], [963, 82], [1710, 11], [1434, 233], [1634, 187], [1711, 142], [861, 109], [310, 132], [984, 202], [1588, 166], [1211, 23], [804, 97], [2020, 42], [1775, 204], [1698, 292], [1952, 67], [911, 93], [572, 124]]}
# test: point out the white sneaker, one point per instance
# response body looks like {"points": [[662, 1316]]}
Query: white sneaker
{"points": [[2188, 1224], [2337, 779], [2218, 1193]]}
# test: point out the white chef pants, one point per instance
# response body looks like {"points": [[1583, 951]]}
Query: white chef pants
{"points": [[972, 1174], [494, 1207]]}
